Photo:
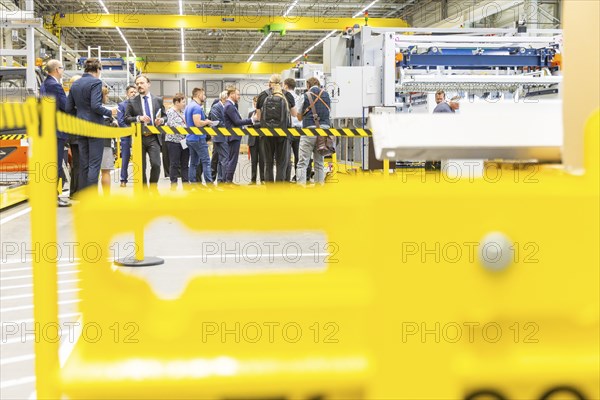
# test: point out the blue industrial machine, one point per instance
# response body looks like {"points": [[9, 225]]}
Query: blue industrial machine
{"points": [[477, 58]]}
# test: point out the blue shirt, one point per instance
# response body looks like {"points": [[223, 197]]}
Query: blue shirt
{"points": [[443, 107], [194, 109]]}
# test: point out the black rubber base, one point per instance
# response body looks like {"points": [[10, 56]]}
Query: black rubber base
{"points": [[132, 262]]}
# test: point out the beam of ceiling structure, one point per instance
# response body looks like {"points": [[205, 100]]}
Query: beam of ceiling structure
{"points": [[157, 21], [214, 30], [191, 67]]}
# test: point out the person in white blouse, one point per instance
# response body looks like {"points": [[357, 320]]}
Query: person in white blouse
{"points": [[179, 154]]}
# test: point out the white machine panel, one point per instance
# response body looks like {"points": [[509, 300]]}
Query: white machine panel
{"points": [[334, 53], [352, 88], [345, 89]]}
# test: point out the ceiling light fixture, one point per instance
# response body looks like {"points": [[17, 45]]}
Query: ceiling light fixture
{"points": [[103, 6], [290, 8], [182, 33], [314, 45], [182, 45], [118, 29], [259, 46], [358, 14]]}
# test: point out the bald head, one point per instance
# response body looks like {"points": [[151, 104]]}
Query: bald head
{"points": [[55, 68]]}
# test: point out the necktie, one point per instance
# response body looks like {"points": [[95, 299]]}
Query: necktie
{"points": [[147, 109]]}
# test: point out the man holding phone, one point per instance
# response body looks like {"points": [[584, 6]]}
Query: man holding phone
{"points": [[149, 110]]}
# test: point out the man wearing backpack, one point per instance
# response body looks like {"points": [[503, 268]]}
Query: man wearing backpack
{"points": [[316, 107], [274, 108]]}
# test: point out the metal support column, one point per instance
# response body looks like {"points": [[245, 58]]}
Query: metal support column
{"points": [[30, 74]]}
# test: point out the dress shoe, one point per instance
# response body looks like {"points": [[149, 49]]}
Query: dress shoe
{"points": [[63, 203], [123, 184]]}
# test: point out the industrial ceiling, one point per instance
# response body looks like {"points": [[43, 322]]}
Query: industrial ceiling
{"points": [[213, 45]]}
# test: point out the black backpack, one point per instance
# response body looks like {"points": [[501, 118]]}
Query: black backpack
{"points": [[275, 112]]}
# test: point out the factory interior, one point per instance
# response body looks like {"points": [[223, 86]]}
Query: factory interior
{"points": [[292, 199]]}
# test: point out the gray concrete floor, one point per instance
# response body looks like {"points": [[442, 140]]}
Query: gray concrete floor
{"points": [[186, 254]]}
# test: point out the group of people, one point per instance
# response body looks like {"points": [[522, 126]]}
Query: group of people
{"points": [[280, 107], [187, 156]]}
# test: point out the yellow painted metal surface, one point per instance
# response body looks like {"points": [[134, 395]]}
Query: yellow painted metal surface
{"points": [[42, 199], [316, 22], [12, 196], [397, 295], [190, 67], [404, 306], [580, 94]]}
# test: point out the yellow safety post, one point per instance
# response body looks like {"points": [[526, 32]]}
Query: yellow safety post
{"points": [[42, 197], [138, 188], [335, 167], [119, 162], [139, 260], [386, 167]]}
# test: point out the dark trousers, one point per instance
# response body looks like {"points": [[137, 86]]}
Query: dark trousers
{"points": [[221, 150], [295, 143], [179, 159], [151, 147], [125, 157], [277, 151], [165, 156], [73, 185], [257, 158], [90, 158], [214, 164], [60, 144], [234, 154]]}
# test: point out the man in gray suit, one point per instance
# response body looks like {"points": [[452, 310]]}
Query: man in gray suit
{"points": [[149, 110], [85, 101]]}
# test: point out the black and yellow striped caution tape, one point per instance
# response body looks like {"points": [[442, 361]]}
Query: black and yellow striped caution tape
{"points": [[26, 115], [267, 132], [13, 137]]}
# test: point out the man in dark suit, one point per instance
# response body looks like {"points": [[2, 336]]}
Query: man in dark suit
{"points": [[218, 165], [52, 87], [85, 101], [131, 92], [148, 110], [233, 120]]}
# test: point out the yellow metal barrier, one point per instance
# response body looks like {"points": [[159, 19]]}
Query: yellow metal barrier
{"points": [[42, 197], [392, 315]]}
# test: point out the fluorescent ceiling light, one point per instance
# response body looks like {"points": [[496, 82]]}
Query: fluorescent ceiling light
{"points": [[290, 8], [358, 14], [182, 33], [314, 45], [262, 43], [118, 29], [182, 45], [103, 6]]}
